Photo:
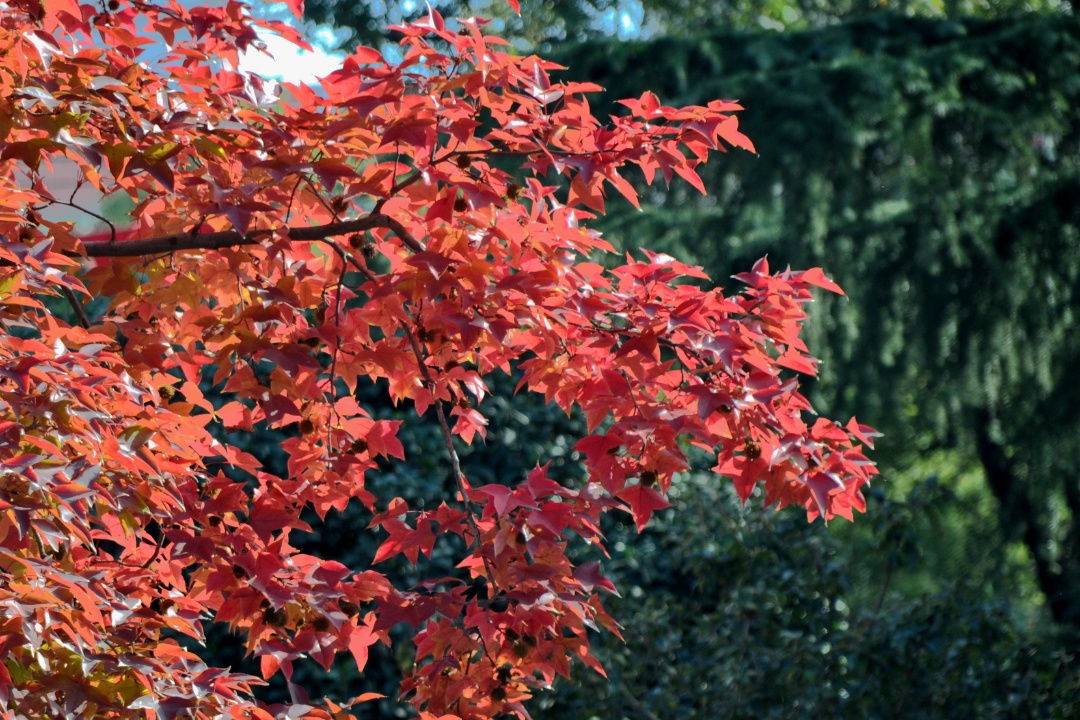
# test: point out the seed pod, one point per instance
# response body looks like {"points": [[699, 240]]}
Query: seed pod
{"points": [[478, 590], [275, 617], [161, 605], [523, 646]]}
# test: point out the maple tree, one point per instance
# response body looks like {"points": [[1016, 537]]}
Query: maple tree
{"points": [[417, 224]]}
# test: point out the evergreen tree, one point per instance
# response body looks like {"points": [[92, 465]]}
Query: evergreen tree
{"points": [[932, 167]]}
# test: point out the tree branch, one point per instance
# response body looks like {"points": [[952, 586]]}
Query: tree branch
{"points": [[231, 238], [80, 312], [636, 704]]}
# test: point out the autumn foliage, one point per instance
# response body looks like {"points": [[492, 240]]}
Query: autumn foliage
{"points": [[421, 225]]}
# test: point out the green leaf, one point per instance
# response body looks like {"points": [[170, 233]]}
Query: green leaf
{"points": [[209, 148], [161, 151]]}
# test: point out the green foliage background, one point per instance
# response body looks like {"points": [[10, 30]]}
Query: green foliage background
{"points": [[931, 168]]}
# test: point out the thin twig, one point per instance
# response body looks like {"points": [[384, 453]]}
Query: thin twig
{"points": [[637, 704], [91, 213], [448, 441], [337, 351], [350, 259], [398, 187], [884, 589], [459, 477], [292, 196], [160, 541], [80, 312]]}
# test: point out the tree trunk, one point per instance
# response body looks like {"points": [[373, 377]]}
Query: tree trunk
{"points": [[1020, 516]]}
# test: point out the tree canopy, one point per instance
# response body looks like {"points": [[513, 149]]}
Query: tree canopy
{"points": [[410, 228], [905, 154]]}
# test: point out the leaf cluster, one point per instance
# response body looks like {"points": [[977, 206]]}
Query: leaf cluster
{"points": [[408, 227]]}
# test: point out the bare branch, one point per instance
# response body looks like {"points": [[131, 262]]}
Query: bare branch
{"points": [[80, 312], [91, 213], [231, 238]]}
